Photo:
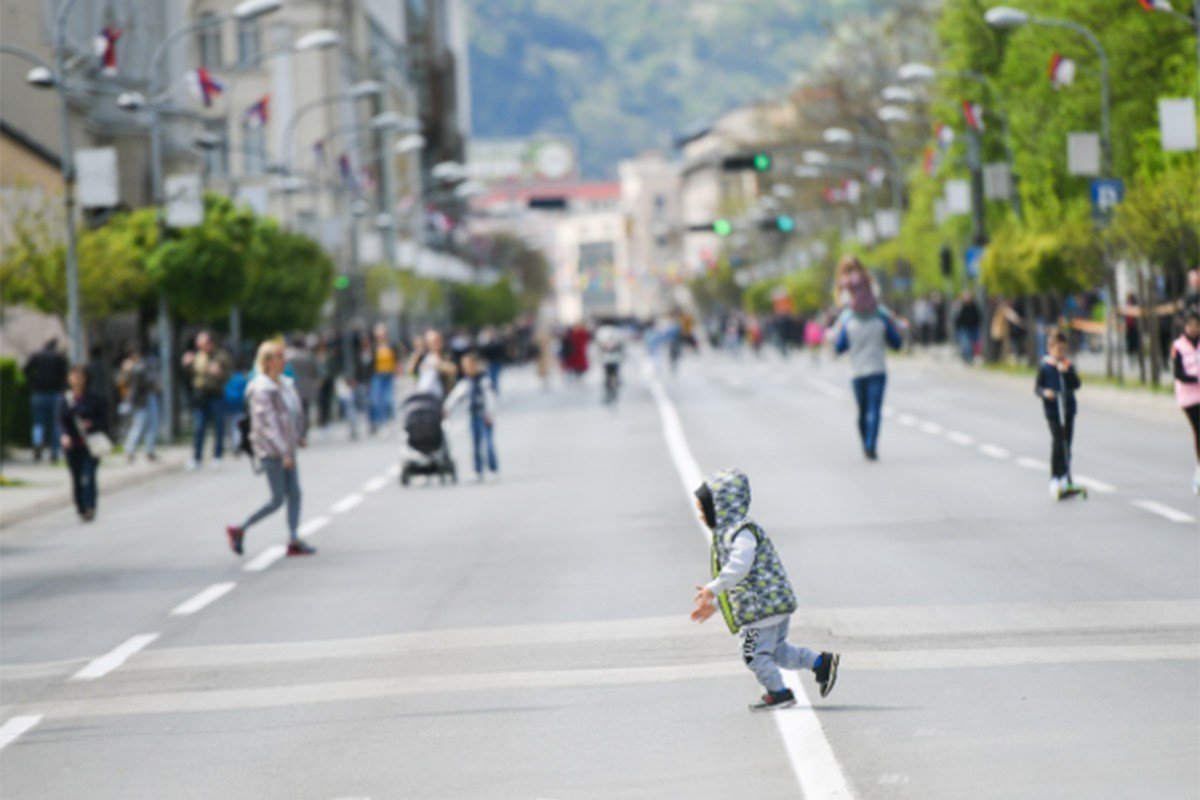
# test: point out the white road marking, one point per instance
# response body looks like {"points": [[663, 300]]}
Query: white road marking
{"points": [[346, 503], [1095, 485], [906, 419], [960, 438], [312, 526], [266, 558], [1032, 463], [1164, 511], [931, 428], [813, 762], [393, 471], [893, 779], [375, 484], [199, 601], [16, 726], [99, 667], [994, 451]]}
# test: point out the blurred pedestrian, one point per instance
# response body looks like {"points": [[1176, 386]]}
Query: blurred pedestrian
{"points": [[46, 375], [235, 403], [966, 327], [924, 319], [326, 370], [207, 368], [140, 394], [576, 361], [814, 336], [492, 348], [1185, 362], [1056, 385], [383, 378], [83, 421], [544, 341], [475, 388], [304, 372], [864, 330], [277, 431], [434, 371]]}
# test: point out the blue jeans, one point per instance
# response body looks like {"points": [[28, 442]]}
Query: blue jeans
{"points": [[868, 391], [765, 650], [143, 427], [481, 436], [493, 370], [382, 407], [284, 485], [45, 422], [210, 411], [966, 344], [83, 478]]}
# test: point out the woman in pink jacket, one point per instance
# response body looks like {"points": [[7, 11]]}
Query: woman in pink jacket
{"points": [[276, 431], [1185, 360]]}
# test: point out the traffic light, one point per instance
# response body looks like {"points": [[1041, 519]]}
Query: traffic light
{"points": [[759, 162], [722, 227], [341, 283], [947, 257], [785, 224]]}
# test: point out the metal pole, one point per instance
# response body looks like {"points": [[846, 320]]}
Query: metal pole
{"points": [[67, 162]]}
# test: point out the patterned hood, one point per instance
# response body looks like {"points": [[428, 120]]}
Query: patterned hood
{"points": [[731, 499]]}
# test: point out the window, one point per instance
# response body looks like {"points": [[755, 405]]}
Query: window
{"points": [[254, 149], [249, 43], [210, 41]]}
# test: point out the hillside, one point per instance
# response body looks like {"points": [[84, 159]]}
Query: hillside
{"points": [[624, 75]]}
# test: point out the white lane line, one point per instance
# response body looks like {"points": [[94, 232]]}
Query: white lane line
{"points": [[1032, 463], [393, 471], [375, 484], [346, 503], [199, 601], [99, 667], [266, 558], [960, 438], [813, 762], [931, 428], [906, 419], [1163, 511], [1095, 485], [994, 451], [16, 726], [312, 526]]}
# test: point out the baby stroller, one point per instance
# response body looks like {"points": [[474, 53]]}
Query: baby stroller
{"points": [[425, 451]]}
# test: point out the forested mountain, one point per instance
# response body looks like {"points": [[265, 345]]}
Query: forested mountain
{"points": [[623, 75]]}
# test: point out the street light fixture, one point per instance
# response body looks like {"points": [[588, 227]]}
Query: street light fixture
{"points": [[916, 71], [365, 89], [41, 77], [893, 114], [898, 94], [410, 144], [323, 39], [253, 9], [838, 136], [808, 171], [1005, 17], [815, 158]]}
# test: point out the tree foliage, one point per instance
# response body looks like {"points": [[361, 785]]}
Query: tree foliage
{"points": [[288, 279]]}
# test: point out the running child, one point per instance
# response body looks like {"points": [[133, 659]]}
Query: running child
{"points": [[1056, 385], [752, 590], [476, 389]]}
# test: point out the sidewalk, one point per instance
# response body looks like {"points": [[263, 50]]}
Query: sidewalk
{"points": [[43, 487]]}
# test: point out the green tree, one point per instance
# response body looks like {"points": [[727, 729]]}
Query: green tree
{"points": [[289, 277]]}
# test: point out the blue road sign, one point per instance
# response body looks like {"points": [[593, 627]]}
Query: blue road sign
{"points": [[973, 262], [1106, 194]]}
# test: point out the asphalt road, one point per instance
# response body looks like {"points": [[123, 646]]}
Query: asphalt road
{"points": [[528, 638]]}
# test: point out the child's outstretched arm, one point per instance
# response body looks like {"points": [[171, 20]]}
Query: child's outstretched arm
{"points": [[741, 558]]}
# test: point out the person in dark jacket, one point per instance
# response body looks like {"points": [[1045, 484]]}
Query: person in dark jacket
{"points": [[1056, 385], [81, 412], [966, 327], [46, 374]]}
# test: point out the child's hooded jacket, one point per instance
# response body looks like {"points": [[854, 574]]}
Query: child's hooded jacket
{"points": [[765, 591]]}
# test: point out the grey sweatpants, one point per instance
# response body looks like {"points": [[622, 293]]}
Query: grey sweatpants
{"points": [[765, 650], [285, 484]]}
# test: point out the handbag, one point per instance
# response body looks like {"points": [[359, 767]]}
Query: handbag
{"points": [[96, 442]]}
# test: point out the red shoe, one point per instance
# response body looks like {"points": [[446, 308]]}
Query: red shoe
{"points": [[235, 535], [299, 548]]}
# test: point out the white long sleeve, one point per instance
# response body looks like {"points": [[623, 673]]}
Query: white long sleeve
{"points": [[741, 559]]}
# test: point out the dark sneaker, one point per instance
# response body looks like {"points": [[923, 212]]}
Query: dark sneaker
{"points": [[235, 535], [773, 700], [827, 673], [299, 548]]}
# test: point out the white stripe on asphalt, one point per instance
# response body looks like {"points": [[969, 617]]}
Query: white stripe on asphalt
{"points": [[375, 484], [994, 451], [312, 526], [1095, 485], [266, 558], [931, 428], [346, 503], [99, 667], [16, 726], [1032, 463], [209, 595], [393, 471], [960, 438], [906, 419], [812, 759], [1164, 511]]}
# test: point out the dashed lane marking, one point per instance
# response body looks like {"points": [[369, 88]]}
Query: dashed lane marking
{"points": [[346, 503], [1032, 463], [994, 451], [906, 419], [266, 558], [375, 484], [202, 599], [313, 525], [960, 438], [1095, 485], [16, 726], [99, 667], [1165, 511], [931, 428]]}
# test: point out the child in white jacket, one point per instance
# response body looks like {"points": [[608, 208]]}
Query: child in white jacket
{"points": [[481, 403]]}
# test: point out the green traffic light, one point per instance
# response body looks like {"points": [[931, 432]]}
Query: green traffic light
{"points": [[762, 162], [722, 227], [342, 282], [785, 224]]}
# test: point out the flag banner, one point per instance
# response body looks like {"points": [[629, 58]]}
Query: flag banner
{"points": [[875, 176], [1062, 71], [852, 191], [931, 162], [1083, 154], [346, 171], [1156, 5], [105, 45], [205, 88], [997, 181], [973, 115], [958, 197], [944, 135], [258, 114], [318, 149], [1177, 123]]}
